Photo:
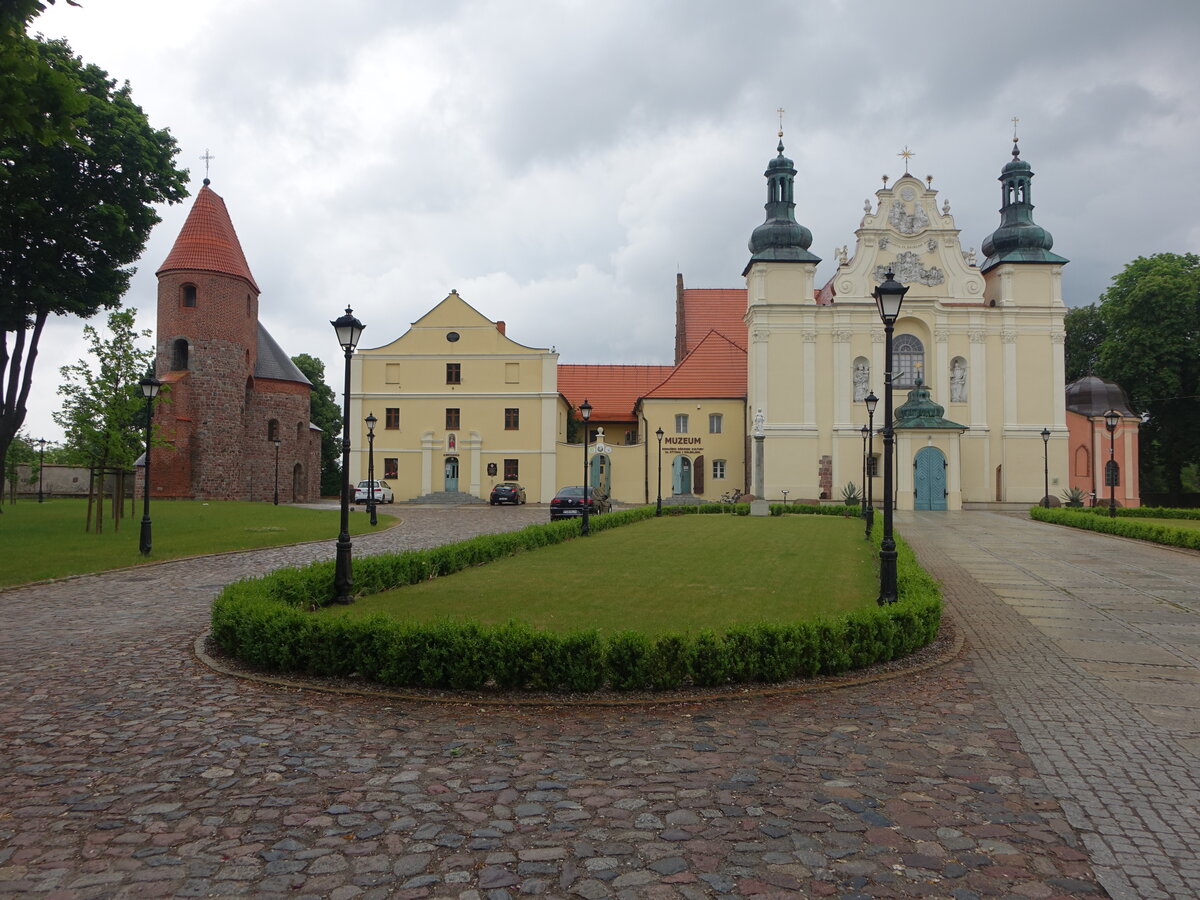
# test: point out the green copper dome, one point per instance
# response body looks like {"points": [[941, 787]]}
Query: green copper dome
{"points": [[781, 238], [919, 411], [1018, 239]]}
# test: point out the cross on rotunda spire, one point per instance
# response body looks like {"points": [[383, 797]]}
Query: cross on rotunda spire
{"points": [[207, 157]]}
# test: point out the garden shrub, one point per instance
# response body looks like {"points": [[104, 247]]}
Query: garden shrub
{"points": [[628, 661], [268, 622], [1125, 523]]}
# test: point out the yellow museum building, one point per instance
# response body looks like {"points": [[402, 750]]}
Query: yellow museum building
{"points": [[977, 364]]}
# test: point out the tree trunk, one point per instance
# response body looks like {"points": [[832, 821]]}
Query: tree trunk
{"points": [[91, 498]]}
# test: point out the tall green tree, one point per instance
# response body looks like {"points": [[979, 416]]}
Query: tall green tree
{"points": [[103, 412], [1085, 333], [36, 100], [75, 212], [1151, 347], [326, 415]]}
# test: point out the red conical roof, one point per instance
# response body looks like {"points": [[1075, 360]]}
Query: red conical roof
{"points": [[207, 242]]}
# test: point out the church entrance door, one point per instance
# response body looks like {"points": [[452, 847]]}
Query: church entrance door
{"points": [[929, 479], [452, 473]]}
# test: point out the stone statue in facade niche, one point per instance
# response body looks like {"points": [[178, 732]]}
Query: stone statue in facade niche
{"points": [[760, 422], [862, 378], [958, 381]]}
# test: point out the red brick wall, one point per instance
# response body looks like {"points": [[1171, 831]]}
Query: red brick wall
{"points": [[216, 416]]}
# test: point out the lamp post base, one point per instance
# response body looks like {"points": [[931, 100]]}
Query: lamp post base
{"points": [[144, 543], [887, 572], [343, 578]]}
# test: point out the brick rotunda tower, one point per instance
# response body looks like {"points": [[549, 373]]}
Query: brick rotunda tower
{"points": [[231, 389]]}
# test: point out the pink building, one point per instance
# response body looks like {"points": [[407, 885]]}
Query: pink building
{"points": [[1088, 399]]}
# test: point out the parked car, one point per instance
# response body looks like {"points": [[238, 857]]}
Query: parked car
{"points": [[507, 492], [383, 493], [569, 502]]}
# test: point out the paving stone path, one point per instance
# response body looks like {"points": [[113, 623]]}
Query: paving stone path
{"points": [[128, 769]]}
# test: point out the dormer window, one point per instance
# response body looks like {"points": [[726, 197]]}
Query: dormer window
{"points": [[189, 295]]}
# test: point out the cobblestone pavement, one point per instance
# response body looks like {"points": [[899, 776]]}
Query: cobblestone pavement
{"points": [[128, 769], [1092, 647]]}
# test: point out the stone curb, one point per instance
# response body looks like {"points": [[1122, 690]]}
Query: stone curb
{"points": [[886, 672]]}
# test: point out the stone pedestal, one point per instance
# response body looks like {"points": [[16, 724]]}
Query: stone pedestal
{"points": [[759, 506]]}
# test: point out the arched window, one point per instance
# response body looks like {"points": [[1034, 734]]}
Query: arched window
{"points": [[1083, 462], [272, 429], [189, 295], [179, 355], [908, 357]]}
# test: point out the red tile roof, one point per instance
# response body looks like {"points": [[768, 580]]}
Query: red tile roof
{"points": [[612, 390], [715, 368], [207, 242], [713, 309]]}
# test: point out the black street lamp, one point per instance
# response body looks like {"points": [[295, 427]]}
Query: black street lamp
{"points": [[863, 499], [871, 401], [658, 509], [149, 386], [276, 442], [42, 465], [585, 412], [785, 492], [1046, 467], [371, 421], [349, 330], [1111, 472], [888, 298]]}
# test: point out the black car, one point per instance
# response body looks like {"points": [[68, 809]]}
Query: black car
{"points": [[508, 492], [568, 502]]}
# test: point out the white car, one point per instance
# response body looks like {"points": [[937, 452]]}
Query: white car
{"points": [[383, 493]]}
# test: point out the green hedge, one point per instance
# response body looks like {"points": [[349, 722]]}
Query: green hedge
{"points": [[777, 509], [268, 622], [1125, 524]]}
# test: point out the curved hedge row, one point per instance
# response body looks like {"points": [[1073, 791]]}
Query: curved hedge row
{"points": [[268, 622], [1125, 524]]}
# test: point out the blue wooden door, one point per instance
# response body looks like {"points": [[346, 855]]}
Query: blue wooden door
{"points": [[929, 479], [452, 473], [681, 475]]}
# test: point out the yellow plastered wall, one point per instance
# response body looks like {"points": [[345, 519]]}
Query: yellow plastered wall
{"points": [[494, 374]]}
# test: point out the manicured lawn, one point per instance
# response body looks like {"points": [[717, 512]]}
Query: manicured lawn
{"points": [[1181, 524], [48, 540], [661, 575]]}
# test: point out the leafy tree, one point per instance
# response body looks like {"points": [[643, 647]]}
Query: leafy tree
{"points": [[74, 214], [36, 100], [1085, 333], [1151, 347], [326, 415], [103, 411], [22, 452]]}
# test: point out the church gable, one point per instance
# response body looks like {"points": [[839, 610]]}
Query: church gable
{"points": [[908, 234]]}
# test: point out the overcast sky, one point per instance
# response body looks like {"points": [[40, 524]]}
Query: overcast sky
{"points": [[558, 162]]}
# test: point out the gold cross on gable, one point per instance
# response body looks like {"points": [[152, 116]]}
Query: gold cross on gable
{"points": [[907, 154], [207, 157], [780, 111]]}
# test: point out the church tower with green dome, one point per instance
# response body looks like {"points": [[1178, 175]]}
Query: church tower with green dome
{"points": [[1018, 265], [781, 313]]}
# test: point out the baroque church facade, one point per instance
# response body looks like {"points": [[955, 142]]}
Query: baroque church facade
{"points": [[977, 350], [234, 409]]}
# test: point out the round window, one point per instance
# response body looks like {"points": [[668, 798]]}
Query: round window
{"points": [[452, 336]]}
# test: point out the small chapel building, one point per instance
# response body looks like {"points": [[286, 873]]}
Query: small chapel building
{"points": [[977, 351], [234, 409]]}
